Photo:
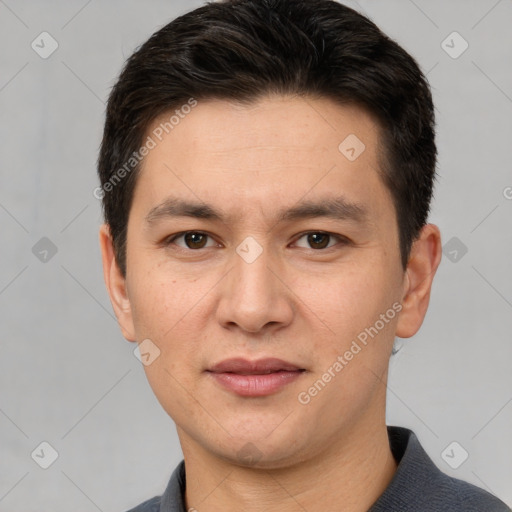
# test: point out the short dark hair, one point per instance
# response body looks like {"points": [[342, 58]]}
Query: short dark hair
{"points": [[242, 50]]}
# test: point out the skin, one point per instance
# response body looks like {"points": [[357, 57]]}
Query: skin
{"points": [[296, 301]]}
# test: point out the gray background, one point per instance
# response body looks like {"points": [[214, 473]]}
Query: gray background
{"points": [[67, 376]]}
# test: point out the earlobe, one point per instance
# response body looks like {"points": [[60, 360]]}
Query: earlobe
{"points": [[116, 284], [421, 268]]}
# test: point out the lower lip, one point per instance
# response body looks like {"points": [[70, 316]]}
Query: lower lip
{"points": [[255, 385]]}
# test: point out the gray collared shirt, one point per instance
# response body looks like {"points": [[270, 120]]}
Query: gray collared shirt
{"points": [[417, 486]]}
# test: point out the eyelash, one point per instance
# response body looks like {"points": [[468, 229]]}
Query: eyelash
{"points": [[341, 239]]}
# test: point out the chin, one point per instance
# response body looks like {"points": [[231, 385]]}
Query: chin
{"points": [[260, 451]]}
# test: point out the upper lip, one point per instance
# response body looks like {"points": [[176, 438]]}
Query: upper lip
{"points": [[257, 367]]}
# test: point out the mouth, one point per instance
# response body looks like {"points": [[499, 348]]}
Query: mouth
{"points": [[255, 378]]}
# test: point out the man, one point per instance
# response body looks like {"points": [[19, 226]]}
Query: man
{"points": [[266, 173]]}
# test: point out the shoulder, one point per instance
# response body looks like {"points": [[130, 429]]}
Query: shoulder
{"points": [[152, 505], [456, 495], [419, 484], [172, 500]]}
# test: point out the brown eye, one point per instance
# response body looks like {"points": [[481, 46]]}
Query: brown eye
{"points": [[195, 240], [190, 240], [318, 240]]}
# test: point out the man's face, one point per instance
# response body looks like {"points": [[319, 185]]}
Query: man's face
{"points": [[268, 278]]}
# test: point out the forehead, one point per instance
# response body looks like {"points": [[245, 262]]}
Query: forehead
{"points": [[274, 151], [301, 124]]}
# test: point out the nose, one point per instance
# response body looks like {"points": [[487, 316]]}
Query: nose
{"points": [[254, 296]]}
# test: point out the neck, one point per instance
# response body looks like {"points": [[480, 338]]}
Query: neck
{"points": [[350, 474]]}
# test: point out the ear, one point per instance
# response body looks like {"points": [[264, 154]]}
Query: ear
{"points": [[423, 262], [116, 284]]}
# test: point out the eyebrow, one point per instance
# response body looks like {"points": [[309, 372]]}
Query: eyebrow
{"points": [[337, 208]]}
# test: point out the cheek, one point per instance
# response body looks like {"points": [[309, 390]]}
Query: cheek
{"points": [[356, 312], [351, 304], [170, 309], [347, 301], [162, 302], [166, 310]]}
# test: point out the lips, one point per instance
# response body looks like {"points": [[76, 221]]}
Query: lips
{"points": [[254, 378], [259, 367]]}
